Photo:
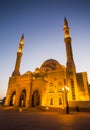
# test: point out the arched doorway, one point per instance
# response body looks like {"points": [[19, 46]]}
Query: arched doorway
{"points": [[35, 98], [13, 98], [22, 98]]}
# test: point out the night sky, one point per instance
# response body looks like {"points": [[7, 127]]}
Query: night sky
{"points": [[41, 21]]}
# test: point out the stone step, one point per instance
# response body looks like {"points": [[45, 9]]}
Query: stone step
{"points": [[31, 109]]}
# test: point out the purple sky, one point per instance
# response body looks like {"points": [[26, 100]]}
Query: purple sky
{"points": [[41, 21]]}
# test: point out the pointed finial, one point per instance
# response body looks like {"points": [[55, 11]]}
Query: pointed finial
{"points": [[21, 44], [22, 39], [23, 35], [65, 22]]}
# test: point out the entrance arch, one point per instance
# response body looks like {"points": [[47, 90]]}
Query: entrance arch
{"points": [[35, 98], [22, 98], [13, 98]]}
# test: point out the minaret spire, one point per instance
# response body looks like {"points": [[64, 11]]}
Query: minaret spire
{"points": [[19, 55], [65, 22], [66, 28], [67, 40], [21, 44]]}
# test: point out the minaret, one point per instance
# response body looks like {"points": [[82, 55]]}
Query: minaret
{"points": [[18, 59], [67, 39], [71, 80]]}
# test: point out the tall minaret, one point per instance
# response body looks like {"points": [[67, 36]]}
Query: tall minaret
{"points": [[67, 39], [18, 59], [71, 80]]}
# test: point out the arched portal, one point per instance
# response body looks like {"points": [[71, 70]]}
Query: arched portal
{"points": [[35, 98], [12, 99], [22, 98]]}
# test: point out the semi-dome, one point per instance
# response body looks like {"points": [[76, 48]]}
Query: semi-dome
{"points": [[51, 64]]}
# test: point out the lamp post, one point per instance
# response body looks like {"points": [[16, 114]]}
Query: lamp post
{"points": [[66, 89]]}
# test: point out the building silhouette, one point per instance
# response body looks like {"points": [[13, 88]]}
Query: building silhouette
{"points": [[50, 85]]}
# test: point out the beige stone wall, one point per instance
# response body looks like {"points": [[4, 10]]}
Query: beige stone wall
{"points": [[83, 88], [81, 104], [54, 88], [16, 85]]}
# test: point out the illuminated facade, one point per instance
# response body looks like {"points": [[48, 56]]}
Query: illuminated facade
{"points": [[46, 85]]}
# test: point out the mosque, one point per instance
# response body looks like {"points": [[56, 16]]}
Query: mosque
{"points": [[51, 85]]}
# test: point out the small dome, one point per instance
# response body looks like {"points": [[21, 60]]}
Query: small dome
{"points": [[51, 64], [27, 73]]}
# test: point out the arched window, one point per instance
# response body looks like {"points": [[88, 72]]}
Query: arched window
{"points": [[22, 97], [35, 98], [13, 98], [51, 101], [60, 101]]}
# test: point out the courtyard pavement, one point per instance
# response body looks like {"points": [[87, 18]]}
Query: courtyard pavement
{"points": [[26, 120]]}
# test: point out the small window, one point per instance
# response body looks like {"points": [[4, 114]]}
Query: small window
{"points": [[51, 101], [60, 101]]}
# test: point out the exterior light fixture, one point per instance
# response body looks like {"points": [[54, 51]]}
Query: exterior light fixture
{"points": [[65, 89]]}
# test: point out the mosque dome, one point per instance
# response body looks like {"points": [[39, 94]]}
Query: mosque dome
{"points": [[28, 73], [51, 64]]}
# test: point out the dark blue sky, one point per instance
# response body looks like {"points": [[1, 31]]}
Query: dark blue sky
{"points": [[41, 21]]}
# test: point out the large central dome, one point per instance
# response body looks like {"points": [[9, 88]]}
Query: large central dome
{"points": [[51, 64]]}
